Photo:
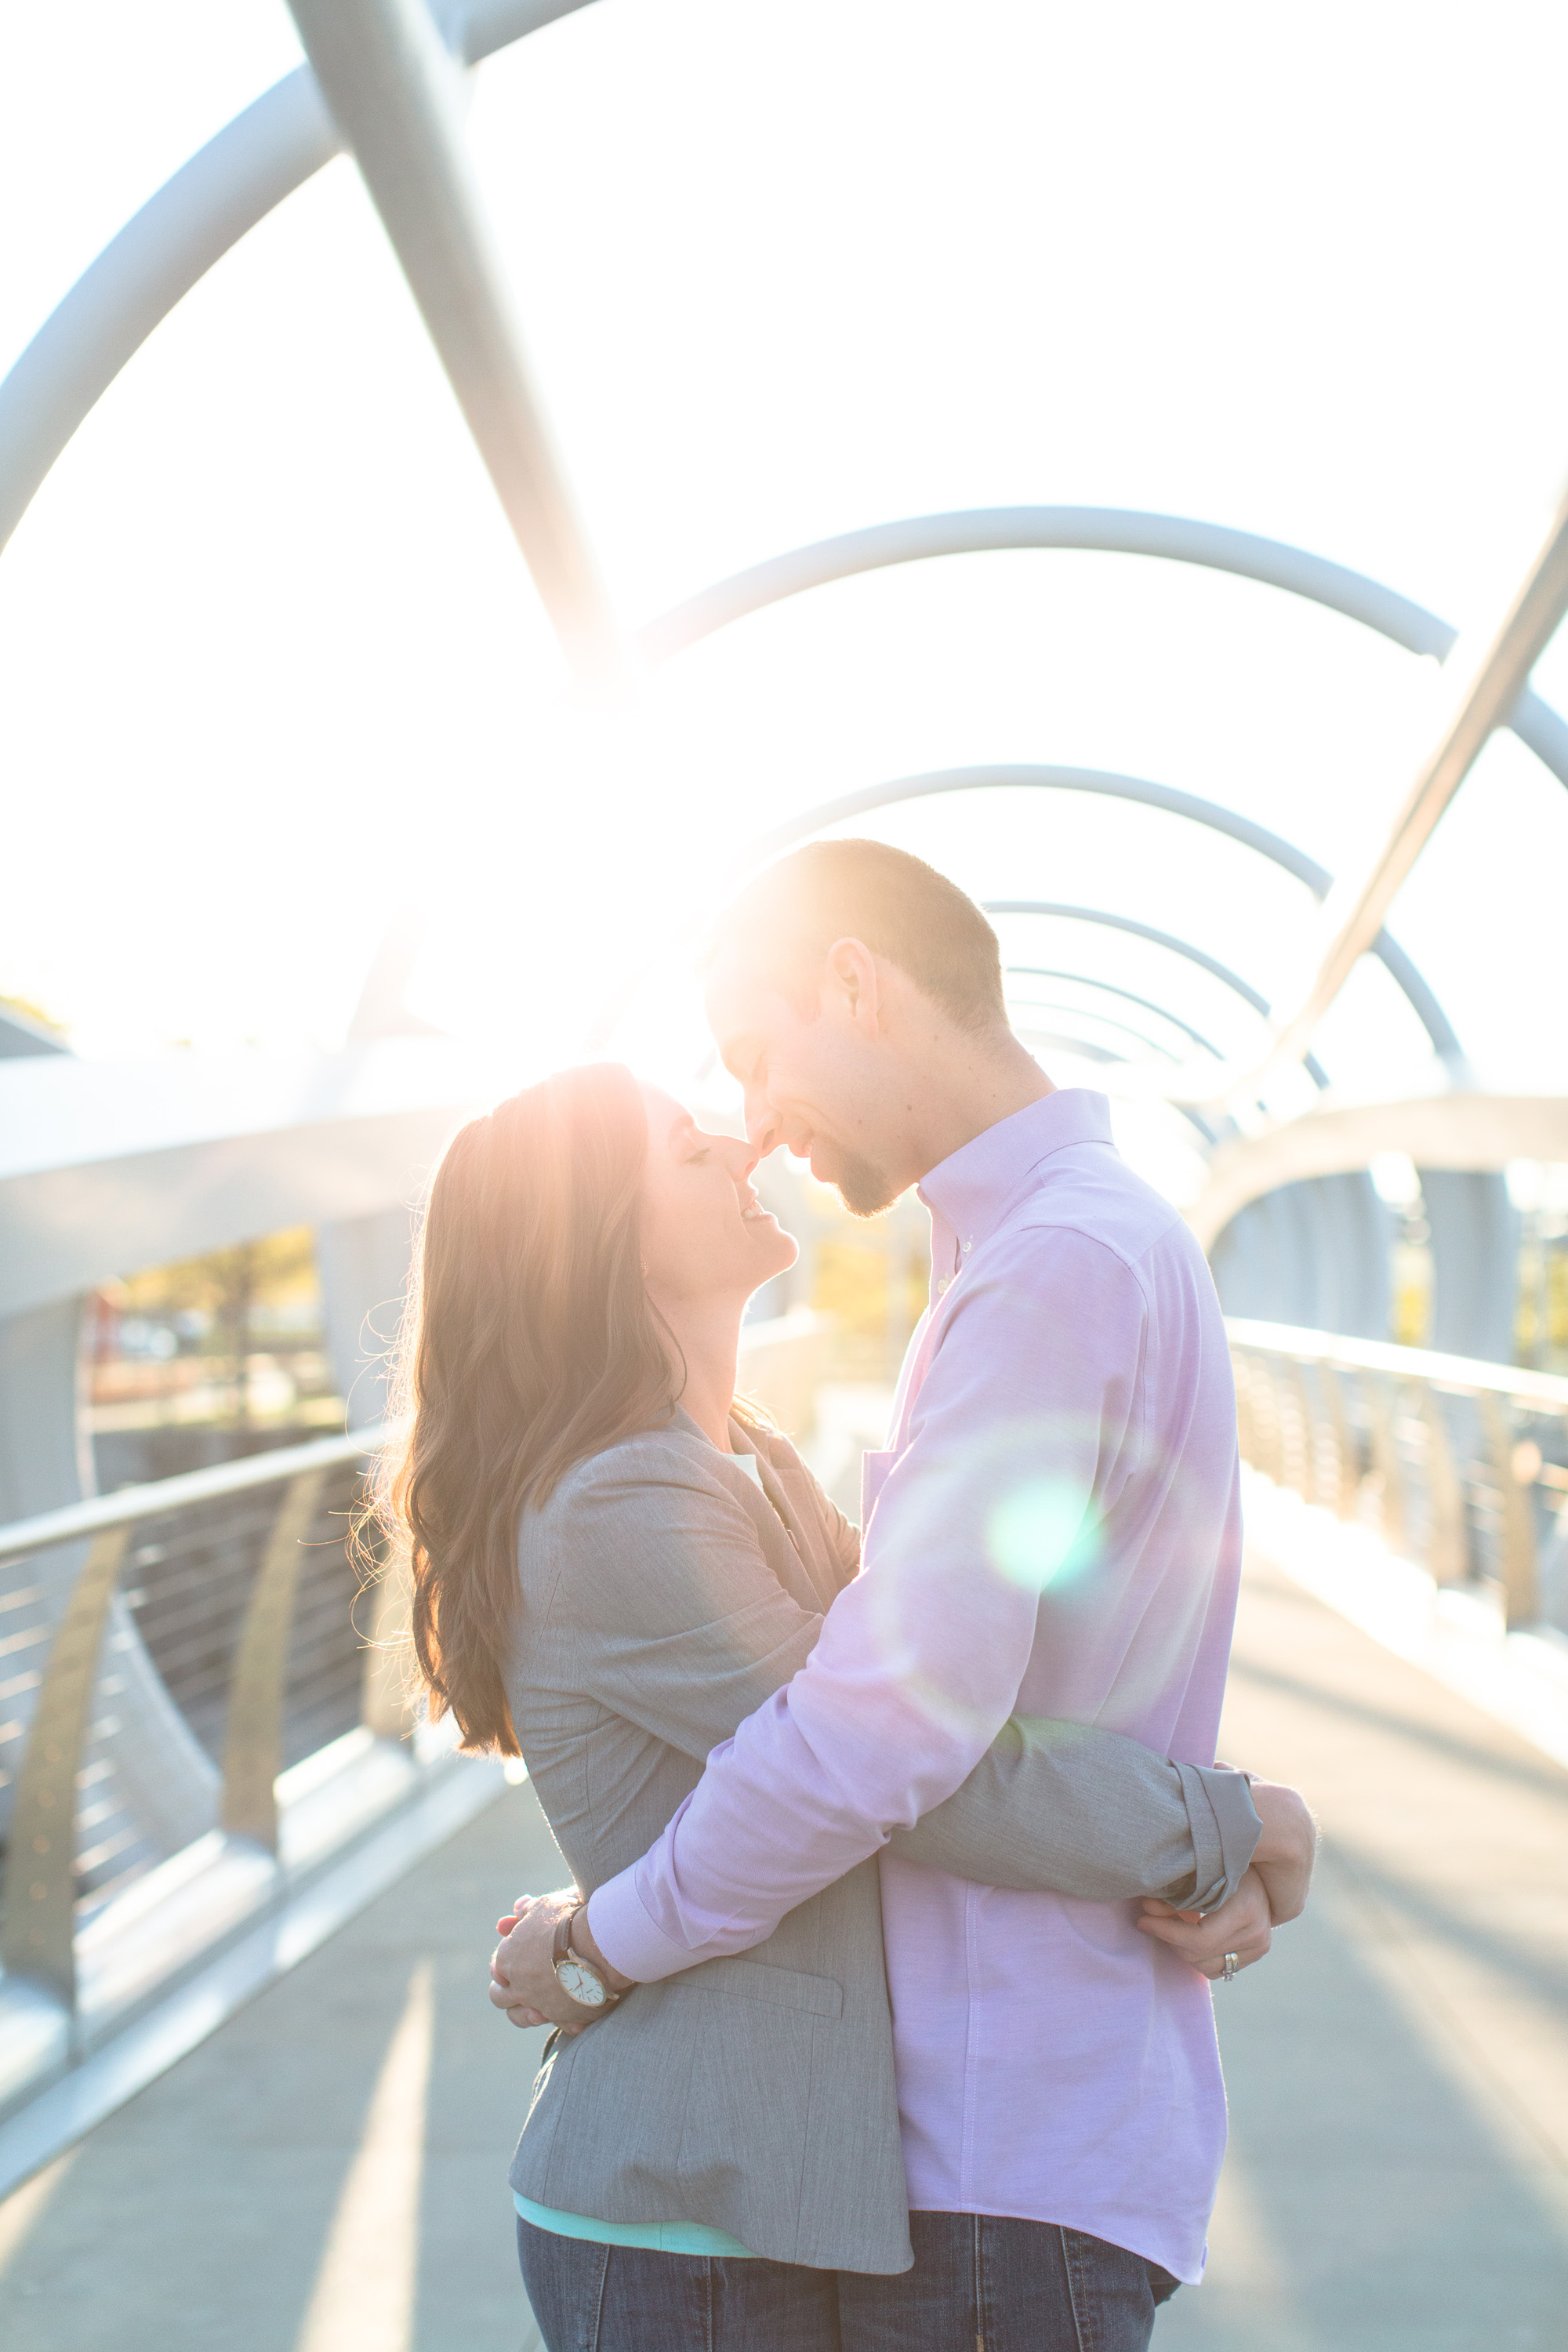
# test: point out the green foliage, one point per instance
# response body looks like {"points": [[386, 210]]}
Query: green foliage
{"points": [[277, 1268]]}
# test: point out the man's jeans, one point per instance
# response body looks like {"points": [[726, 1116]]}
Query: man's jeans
{"points": [[978, 2286], [981, 2284]]}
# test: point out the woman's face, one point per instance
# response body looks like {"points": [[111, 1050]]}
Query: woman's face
{"points": [[705, 1234]]}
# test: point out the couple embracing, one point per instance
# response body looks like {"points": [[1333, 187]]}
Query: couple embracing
{"points": [[902, 1857]]}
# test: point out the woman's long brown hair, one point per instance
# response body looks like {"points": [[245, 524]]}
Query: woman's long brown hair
{"points": [[530, 1342]]}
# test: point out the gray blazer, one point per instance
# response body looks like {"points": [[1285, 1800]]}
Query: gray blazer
{"points": [[664, 1598]]}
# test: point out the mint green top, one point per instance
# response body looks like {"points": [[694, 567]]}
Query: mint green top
{"points": [[654, 2237]]}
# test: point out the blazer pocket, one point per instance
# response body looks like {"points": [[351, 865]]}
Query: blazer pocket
{"points": [[759, 1980]]}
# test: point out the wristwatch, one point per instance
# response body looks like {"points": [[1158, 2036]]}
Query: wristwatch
{"points": [[578, 1978]]}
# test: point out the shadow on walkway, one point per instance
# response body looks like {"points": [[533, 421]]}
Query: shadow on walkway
{"points": [[327, 2173], [1398, 2069]]}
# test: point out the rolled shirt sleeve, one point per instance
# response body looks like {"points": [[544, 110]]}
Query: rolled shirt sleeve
{"points": [[1022, 1435]]}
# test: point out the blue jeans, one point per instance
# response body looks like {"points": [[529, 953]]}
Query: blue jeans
{"points": [[589, 2298], [1004, 2285]]}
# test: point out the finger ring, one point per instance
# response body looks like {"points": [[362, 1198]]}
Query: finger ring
{"points": [[1231, 1965]]}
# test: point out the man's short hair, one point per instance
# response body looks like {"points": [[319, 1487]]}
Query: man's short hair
{"points": [[897, 906]]}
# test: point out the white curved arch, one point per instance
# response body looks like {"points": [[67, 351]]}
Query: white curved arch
{"points": [[1459, 1130], [109, 1166], [202, 210]]}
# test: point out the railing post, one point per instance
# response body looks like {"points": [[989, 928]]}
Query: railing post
{"points": [[1269, 1438], [38, 1931], [1520, 1577], [1448, 1555], [1347, 1465], [253, 1743], [1382, 1392], [1305, 1480], [387, 1701], [1245, 1433]]}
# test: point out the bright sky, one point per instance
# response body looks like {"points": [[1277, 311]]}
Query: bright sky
{"points": [[271, 665]]}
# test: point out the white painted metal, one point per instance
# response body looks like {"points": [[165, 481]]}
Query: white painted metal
{"points": [[394, 90], [1459, 1130], [101, 1513], [1488, 675], [106, 1167]]}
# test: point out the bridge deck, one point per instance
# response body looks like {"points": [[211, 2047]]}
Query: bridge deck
{"points": [[326, 2174]]}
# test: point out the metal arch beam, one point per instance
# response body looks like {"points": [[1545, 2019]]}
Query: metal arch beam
{"points": [[1109, 988], [1057, 1009], [1282, 853], [105, 1165], [242, 173], [1184, 947], [277, 142], [1088, 1046], [1114, 530], [393, 90], [1487, 679], [1459, 1130], [228, 186]]}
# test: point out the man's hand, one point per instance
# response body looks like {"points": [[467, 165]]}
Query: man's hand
{"points": [[1203, 1939], [1285, 1854], [522, 1980]]}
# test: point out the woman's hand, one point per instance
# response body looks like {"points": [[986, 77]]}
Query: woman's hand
{"points": [[522, 1976], [1241, 1926], [523, 1980]]}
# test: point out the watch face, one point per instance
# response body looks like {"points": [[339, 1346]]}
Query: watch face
{"points": [[580, 1984]]}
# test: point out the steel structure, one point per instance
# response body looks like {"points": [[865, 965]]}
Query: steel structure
{"points": [[393, 87], [1209, 813], [1184, 948], [1455, 1131]]}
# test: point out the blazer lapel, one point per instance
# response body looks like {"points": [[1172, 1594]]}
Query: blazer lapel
{"points": [[776, 1525]]}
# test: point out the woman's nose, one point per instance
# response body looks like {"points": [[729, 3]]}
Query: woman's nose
{"points": [[745, 1157]]}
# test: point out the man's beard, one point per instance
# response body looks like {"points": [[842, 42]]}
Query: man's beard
{"points": [[865, 1189]]}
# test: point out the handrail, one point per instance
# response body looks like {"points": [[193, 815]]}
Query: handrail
{"points": [[38, 1904], [1459, 1483], [1548, 1390], [37, 1912], [100, 1513]]}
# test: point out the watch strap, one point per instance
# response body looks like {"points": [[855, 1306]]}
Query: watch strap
{"points": [[564, 1951]]}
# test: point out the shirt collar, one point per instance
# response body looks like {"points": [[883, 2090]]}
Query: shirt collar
{"points": [[972, 1188]]}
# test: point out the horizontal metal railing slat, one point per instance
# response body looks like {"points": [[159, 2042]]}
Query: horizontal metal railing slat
{"points": [[131, 1505], [213, 1562], [1451, 1458]]}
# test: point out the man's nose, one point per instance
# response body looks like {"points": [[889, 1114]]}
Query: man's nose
{"points": [[764, 1126]]}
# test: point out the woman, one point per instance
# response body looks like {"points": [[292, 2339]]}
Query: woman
{"points": [[615, 1562]]}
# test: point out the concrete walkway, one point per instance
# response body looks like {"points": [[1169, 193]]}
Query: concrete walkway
{"points": [[327, 2173], [1397, 2179]]}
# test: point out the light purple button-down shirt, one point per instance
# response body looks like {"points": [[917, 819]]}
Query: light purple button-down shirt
{"points": [[1054, 1528]]}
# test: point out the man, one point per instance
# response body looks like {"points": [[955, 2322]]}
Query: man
{"points": [[1053, 1527]]}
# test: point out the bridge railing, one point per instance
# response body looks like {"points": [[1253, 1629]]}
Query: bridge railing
{"points": [[64, 1983], [245, 1591], [1461, 1467]]}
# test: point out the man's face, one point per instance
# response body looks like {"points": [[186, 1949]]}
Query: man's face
{"points": [[812, 1081]]}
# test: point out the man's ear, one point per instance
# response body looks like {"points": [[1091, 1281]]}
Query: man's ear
{"points": [[852, 984]]}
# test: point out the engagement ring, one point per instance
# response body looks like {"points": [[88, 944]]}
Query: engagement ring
{"points": [[1231, 1965]]}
